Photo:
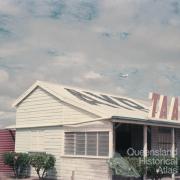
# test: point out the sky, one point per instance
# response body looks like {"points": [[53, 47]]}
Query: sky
{"points": [[89, 44]]}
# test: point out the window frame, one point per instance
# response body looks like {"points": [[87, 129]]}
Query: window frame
{"points": [[87, 156]]}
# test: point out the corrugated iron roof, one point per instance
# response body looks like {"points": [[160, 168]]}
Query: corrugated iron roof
{"points": [[98, 103]]}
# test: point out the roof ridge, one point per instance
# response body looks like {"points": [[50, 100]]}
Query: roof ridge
{"points": [[98, 92]]}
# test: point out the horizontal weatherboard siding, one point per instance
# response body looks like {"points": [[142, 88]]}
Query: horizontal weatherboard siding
{"points": [[49, 140], [41, 108], [85, 168], [42, 119]]}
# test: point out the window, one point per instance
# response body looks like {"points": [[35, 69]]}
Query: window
{"points": [[91, 143], [103, 144], [80, 143], [69, 143], [87, 143]]}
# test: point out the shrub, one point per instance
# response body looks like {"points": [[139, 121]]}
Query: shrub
{"points": [[9, 159], [178, 159], [138, 163], [122, 167], [155, 167], [19, 162], [42, 162]]}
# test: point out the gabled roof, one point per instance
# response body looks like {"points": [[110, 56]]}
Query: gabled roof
{"points": [[100, 104]]}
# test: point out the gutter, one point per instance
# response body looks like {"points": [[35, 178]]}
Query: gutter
{"points": [[66, 124], [151, 122]]}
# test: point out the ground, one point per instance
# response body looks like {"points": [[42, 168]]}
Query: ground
{"points": [[5, 177]]}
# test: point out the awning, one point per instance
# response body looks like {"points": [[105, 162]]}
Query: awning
{"points": [[150, 122]]}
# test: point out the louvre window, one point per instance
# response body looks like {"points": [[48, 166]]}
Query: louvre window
{"points": [[80, 143], [91, 143], [87, 143], [103, 144], [69, 143]]}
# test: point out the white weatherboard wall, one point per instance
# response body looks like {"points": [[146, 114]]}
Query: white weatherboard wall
{"points": [[39, 120], [86, 168], [47, 139], [40, 108], [51, 140]]}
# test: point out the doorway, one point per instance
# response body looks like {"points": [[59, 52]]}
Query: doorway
{"points": [[129, 136]]}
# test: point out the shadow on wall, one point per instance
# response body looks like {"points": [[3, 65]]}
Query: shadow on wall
{"points": [[52, 174]]}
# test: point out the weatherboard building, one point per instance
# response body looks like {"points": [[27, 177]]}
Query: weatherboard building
{"points": [[83, 129]]}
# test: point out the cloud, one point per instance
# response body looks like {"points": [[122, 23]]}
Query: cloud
{"points": [[6, 119], [8, 7], [115, 35], [69, 59], [176, 7], [3, 76], [88, 44], [70, 10], [92, 75]]}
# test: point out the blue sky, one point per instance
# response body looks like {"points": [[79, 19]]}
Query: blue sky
{"points": [[89, 43]]}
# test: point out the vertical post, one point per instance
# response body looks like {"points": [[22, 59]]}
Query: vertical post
{"points": [[173, 147], [111, 146], [145, 141], [173, 143], [111, 141], [73, 174], [114, 139], [144, 145]]}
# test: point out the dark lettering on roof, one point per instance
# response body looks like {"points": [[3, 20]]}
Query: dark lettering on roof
{"points": [[107, 99], [112, 101]]}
